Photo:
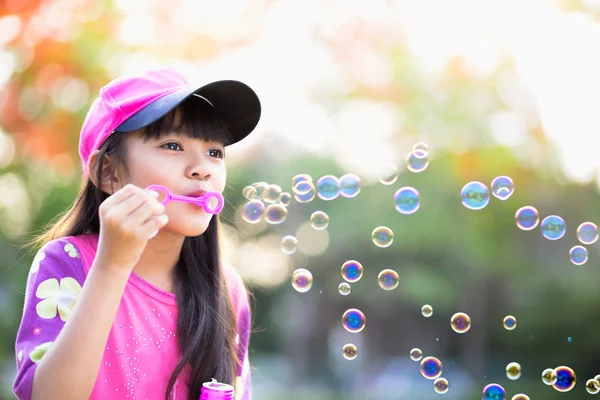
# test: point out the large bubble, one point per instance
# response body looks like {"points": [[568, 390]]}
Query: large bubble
{"points": [[565, 379], [253, 211], [407, 200], [475, 195], [354, 320], [553, 227], [527, 218], [431, 368], [349, 186], [382, 236], [352, 271], [328, 187], [502, 187], [587, 233]]}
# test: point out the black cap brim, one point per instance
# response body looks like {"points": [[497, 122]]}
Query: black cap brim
{"points": [[235, 102]]}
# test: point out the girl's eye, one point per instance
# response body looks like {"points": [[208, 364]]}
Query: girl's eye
{"points": [[216, 153], [171, 144]]}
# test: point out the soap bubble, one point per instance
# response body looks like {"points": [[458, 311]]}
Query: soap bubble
{"points": [[587, 233], [407, 200], [275, 214], [441, 386], [527, 218], [300, 178], [302, 280], [578, 255], [250, 193], [520, 396], [417, 161], [388, 279], [319, 220], [289, 244], [509, 322], [460, 322], [382, 236], [549, 376], [349, 186], [431, 368], [260, 188], [513, 371], [502, 187], [285, 198], [328, 187], [349, 351], [592, 386], [416, 354], [553, 227], [304, 192], [352, 271], [253, 211], [427, 311], [344, 288], [272, 194], [493, 391], [354, 320], [475, 195], [421, 146], [389, 175], [565, 379]]}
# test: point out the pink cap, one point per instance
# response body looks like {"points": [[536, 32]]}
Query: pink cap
{"points": [[129, 103]]}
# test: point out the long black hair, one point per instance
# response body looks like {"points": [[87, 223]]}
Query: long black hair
{"points": [[206, 324]]}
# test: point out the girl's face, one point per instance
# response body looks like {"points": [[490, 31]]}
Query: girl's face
{"points": [[182, 164]]}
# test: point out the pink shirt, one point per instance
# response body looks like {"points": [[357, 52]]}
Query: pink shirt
{"points": [[141, 351]]}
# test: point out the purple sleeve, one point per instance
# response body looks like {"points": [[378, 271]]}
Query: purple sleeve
{"points": [[53, 287]]}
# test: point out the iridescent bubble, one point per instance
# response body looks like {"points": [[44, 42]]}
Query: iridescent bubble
{"points": [[549, 376], [253, 211], [592, 386], [503, 187], [553, 227], [319, 220], [250, 193], [421, 146], [431, 368], [416, 354], [349, 186], [388, 279], [493, 391], [427, 311], [587, 233], [285, 198], [597, 377], [520, 396], [407, 200], [527, 218], [475, 195], [328, 187], [300, 178], [382, 236], [349, 351], [441, 386], [460, 322], [565, 379], [302, 280], [304, 192], [578, 255], [260, 188], [354, 320], [389, 175], [289, 244], [275, 213], [303, 187], [509, 322], [272, 194], [417, 161], [513, 371], [344, 288], [352, 271]]}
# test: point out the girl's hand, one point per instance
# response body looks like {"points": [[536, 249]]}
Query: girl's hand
{"points": [[128, 219]]}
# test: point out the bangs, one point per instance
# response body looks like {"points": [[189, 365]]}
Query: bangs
{"points": [[195, 118]]}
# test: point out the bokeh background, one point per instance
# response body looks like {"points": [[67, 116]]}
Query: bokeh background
{"points": [[493, 87]]}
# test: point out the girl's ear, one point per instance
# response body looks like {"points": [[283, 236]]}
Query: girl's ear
{"points": [[110, 181]]}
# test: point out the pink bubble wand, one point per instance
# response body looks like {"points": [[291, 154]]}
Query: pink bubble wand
{"points": [[202, 201]]}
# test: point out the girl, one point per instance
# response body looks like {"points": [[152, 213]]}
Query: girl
{"points": [[127, 298]]}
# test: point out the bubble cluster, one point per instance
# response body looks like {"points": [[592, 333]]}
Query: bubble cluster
{"points": [[549, 376], [475, 195], [389, 175], [407, 200], [553, 227], [289, 244], [319, 220], [303, 188], [520, 396], [349, 351], [344, 288], [578, 255], [349, 186], [527, 218], [388, 279], [427, 311], [565, 379], [509, 322], [250, 193], [513, 371], [416, 354], [493, 391], [302, 280], [587, 233], [592, 386], [328, 187], [382, 236], [352, 271], [417, 161], [441, 385], [253, 211], [460, 322], [275, 214], [431, 368], [354, 320], [502, 187]]}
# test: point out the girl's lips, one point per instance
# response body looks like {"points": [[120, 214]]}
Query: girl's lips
{"points": [[197, 193]]}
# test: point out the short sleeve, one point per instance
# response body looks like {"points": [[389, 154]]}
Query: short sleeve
{"points": [[53, 288]]}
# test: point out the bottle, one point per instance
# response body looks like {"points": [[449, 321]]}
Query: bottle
{"points": [[214, 390]]}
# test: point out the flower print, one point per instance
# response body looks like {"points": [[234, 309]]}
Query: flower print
{"points": [[39, 351], [63, 298], [35, 265], [71, 250]]}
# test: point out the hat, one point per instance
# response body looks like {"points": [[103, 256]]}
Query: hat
{"points": [[133, 102]]}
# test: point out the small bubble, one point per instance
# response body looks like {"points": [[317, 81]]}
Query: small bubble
{"points": [[349, 351], [289, 244], [352, 271], [249, 193], [349, 186], [587, 233], [592, 386], [275, 214], [253, 211], [569, 339], [407, 200], [389, 175], [344, 288], [301, 178], [260, 188], [427, 311], [549, 376], [421, 146], [272, 194], [502, 187], [431, 368], [319, 220], [417, 161], [382, 236], [388, 279], [513, 371], [527, 218], [285, 198], [520, 396], [493, 391], [578, 255], [354, 320], [460, 322], [302, 280], [509, 322], [441, 386], [416, 354]]}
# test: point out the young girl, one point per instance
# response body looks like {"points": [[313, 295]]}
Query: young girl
{"points": [[127, 298]]}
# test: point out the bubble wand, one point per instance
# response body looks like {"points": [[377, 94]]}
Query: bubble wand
{"points": [[203, 201]]}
